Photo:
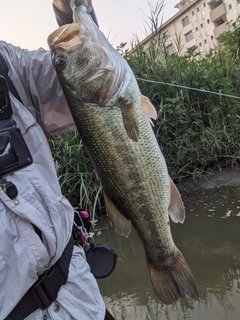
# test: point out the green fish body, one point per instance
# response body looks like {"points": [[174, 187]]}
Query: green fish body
{"points": [[112, 118]]}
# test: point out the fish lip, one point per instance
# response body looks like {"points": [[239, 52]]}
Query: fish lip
{"points": [[75, 33], [68, 32], [63, 34], [53, 38]]}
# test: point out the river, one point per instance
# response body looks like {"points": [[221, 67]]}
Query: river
{"points": [[209, 240]]}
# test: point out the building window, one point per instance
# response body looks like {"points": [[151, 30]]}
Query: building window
{"points": [[193, 13], [200, 44], [166, 35], [201, 25], [189, 36], [204, 4], [208, 21], [230, 6], [196, 28], [198, 9], [170, 48], [211, 37], [205, 41], [185, 21]]}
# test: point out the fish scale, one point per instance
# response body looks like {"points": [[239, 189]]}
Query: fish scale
{"points": [[140, 175], [113, 120]]}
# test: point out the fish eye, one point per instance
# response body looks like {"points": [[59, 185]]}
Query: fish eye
{"points": [[61, 62]]}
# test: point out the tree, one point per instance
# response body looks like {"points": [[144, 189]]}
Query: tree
{"points": [[230, 41]]}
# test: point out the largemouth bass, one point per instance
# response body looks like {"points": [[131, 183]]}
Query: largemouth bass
{"points": [[112, 118]]}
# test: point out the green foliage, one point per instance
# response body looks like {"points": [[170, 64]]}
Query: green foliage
{"points": [[195, 129], [75, 172], [231, 40]]}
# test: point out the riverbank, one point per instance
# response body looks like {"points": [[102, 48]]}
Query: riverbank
{"points": [[212, 179]]}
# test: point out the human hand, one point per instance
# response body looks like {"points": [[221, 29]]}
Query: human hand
{"points": [[65, 8], [84, 2], [64, 5]]}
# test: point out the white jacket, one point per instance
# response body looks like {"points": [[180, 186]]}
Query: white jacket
{"points": [[23, 256]]}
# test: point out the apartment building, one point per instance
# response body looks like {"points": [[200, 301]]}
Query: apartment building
{"points": [[198, 23]]}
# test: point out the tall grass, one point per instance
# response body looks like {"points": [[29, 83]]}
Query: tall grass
{"points": [[195, 130], [75, 172]]}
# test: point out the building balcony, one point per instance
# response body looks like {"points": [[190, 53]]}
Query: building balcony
{"points": [[218, 12], [220, 29]]}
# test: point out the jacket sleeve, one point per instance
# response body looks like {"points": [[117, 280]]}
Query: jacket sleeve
{"points": [[35, 79], [61, 17]]}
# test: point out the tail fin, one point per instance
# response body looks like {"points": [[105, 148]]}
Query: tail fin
{"points": [[173, 280]]}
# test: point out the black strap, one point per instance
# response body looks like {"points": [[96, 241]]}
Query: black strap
{"points": [[45, 290], [108, 316], [4, 72]]}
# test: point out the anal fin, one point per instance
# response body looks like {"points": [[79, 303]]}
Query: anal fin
{"points": [[176, 208], [121, 224]]}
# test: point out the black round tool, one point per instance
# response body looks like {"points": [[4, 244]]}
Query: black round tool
{"points": [[101, 259]]}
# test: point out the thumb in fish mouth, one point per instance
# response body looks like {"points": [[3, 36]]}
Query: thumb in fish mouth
{"points": [[130, 120]]}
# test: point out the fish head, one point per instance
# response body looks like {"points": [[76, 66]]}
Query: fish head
{"points": [[79, 63], [91, 70]]}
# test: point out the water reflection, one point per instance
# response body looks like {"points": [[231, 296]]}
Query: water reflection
{"points": [[210, 242]]}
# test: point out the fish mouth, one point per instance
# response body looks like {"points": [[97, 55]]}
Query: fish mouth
{"points": [[65, 37], [71, 35]]}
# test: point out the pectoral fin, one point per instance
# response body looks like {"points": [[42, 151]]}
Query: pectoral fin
{"points": [[176, 208], [121, 224], [149, 109], [130, 120]]}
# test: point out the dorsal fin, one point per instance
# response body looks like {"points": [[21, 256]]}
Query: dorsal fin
{"points": [[176, 208], [149, 109], [121, 224]]}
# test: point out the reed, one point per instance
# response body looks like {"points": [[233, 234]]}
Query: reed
{"points": [[76, 175], [196, 130]]}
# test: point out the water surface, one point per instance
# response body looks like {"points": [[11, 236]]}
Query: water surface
{"points": [[209, 240]]}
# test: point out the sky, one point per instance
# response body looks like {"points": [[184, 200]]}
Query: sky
{"points": [[27, 23]]}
